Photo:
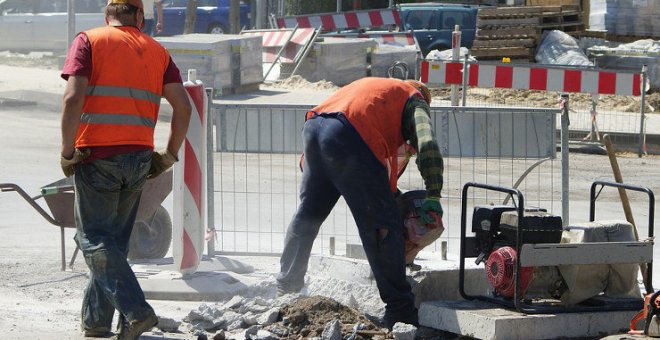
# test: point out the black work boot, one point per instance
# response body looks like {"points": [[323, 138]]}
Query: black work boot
{"points": [[407, 318]]}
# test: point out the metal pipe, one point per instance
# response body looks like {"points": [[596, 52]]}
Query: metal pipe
{"points": [[338, 6], [210, 201], [564, 160], [641, 124]]}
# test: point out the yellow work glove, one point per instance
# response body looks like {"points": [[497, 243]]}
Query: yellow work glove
{"points": [[69, 165], [160, 162]]}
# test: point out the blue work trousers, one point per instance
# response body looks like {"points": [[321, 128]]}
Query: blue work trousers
{"points": [[338, 162], [106, 202]]}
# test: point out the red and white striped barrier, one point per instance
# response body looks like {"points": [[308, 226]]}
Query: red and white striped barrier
{"points": [[273, 40], [341, 21], [534, 78], [390, 38], [189, 185]]}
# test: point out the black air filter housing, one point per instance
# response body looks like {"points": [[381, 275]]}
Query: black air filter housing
{"points": [[540, 227], [487, 217]]}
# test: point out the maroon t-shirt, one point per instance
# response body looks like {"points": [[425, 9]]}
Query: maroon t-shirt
{"points": [[79, 63]]}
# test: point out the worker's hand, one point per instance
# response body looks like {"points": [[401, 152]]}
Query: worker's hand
{"points": [[430, 206], [69, 164], [160, 162]]}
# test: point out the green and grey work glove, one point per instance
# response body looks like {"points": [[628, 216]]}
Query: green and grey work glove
{"points": [[69, 165], [160, 162], [430, 206]]}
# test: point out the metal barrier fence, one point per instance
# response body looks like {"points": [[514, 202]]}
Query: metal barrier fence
{"points": [[590, 118], [257, 175]]}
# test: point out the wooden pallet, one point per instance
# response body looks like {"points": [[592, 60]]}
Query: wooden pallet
{"points": [[508, 33], [552, 2], [528, 42], [499, 52]]}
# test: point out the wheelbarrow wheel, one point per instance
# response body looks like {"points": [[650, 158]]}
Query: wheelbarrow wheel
{"points": [[151, 238]]}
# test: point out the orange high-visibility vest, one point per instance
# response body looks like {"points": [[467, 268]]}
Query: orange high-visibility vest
{"points": [[374, 107], [124, 89]]}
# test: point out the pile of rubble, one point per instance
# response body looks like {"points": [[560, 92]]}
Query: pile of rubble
{"points": [[291, 316]]}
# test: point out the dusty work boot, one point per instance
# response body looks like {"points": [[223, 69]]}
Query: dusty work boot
{"points": [[133, 330], [410, 319], [98, 332]]}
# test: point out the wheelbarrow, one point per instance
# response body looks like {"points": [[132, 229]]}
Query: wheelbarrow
{"points": [[152, 231]]}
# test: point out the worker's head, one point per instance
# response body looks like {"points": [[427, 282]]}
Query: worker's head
{"points": [[421, 87], [126, 12]]}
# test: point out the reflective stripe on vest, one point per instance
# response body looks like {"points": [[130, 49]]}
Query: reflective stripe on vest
{"points": [[116, 119], [124, 90], [374, 107]]}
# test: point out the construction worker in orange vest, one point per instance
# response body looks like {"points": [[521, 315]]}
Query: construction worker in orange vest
{"points": [[351, 143], [116, 77]]}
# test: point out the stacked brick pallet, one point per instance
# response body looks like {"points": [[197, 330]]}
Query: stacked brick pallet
{"points": [[514, 32]]}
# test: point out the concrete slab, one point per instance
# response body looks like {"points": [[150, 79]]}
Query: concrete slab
{"points": [[489, 321], [217, 278]]}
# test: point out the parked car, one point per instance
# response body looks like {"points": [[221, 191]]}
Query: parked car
{"points": [[212, 16], [41, 25], [433, 24]]}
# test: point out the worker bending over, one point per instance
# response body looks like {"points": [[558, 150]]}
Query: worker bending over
{"points": [[351, 146]]}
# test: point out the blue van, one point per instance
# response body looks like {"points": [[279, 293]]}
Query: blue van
{"points": [[212, 16], [433, 24]]}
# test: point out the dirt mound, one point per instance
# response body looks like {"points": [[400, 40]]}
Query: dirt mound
{"points": [[308, 316], [298, 83]]}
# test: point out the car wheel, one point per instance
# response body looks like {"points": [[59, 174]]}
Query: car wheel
{"points": [[216, 29], [151, 238]]}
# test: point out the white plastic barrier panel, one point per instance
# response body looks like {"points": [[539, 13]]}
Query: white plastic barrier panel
{"points": [[189, 184]]}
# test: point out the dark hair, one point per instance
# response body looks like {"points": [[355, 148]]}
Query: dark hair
{"points": [[119, 11]]}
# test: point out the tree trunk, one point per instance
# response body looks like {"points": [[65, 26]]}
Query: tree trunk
{"points": [[234, 21], [191, 17]]}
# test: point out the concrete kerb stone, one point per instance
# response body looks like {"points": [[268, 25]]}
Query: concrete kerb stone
{"points": [[488, 321]]}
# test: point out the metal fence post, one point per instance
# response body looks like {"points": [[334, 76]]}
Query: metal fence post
{"points": [[210, 207], [641, 124], [456, 51], [466, 76], [564, 159]]}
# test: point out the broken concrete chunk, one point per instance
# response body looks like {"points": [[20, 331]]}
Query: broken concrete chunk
{"points": [[332, 330], [250, 319], [168, 325], [404, 331], [269, 317], [264, 335], [234, 303]]}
